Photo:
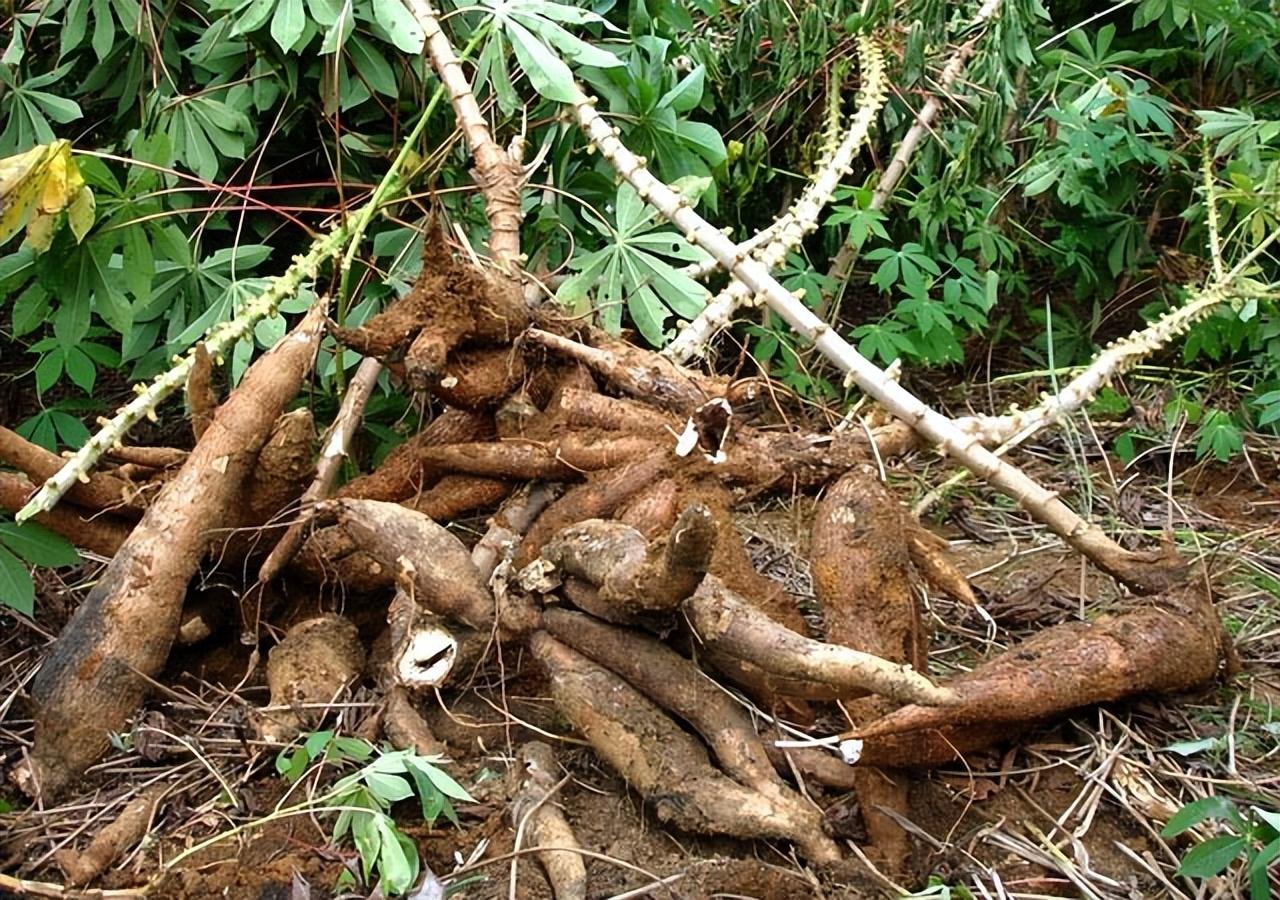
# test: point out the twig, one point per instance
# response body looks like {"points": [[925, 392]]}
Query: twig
{"points": [[336, 442], [1135, 569], [842, 265], [499, 173], [802, 218], [1116, 359]]}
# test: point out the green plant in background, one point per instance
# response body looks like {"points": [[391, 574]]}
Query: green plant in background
{"points": [[1252, 837], [633, 271], [1073, 172]]}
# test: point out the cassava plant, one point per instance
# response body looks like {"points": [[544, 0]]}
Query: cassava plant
{"points": [[486, 263]]}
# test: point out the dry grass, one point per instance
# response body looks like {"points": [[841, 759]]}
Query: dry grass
{"points": [[1072, 809]]}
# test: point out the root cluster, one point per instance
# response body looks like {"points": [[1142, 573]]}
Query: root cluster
{"points": [[613, 558]]}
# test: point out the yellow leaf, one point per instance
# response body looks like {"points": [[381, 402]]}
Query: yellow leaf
{"points": [[53, 192], [21, 182], [40, 231], [35, 187], [80, 213]]}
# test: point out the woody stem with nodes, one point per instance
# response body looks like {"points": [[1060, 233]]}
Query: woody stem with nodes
{"points": [[1144, 572], [802, 218]]}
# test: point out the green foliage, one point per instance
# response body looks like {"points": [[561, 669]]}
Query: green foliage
{"points": [[363, 800], [1251, 836], [633, 270], [22, 546]]}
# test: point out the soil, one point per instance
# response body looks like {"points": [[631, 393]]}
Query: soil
{"points": [[1046, 815]]}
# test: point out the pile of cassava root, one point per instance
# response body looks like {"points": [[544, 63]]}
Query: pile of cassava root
{"points": [[612, 557]]}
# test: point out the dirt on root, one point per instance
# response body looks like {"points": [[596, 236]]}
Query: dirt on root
{"points": [[1071, 810]]}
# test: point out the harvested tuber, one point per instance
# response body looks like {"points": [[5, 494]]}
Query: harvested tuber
{"points": [[313, 666]]}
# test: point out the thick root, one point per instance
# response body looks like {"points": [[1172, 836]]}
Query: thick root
{"points": [[313, 666], [862, 578], [202, 399], [929, 554], [98, 670], [101, 492], [1174, 644], [535, 813], [479, 378], [451, 303], [729, 623], [113, 840], [597, 499], [567, 456], [636, 576], [662, 762], [446, 581], [284, 469], [588, 409], [401, 474], [632, 370], [454, 495], [678, 686], [861, 571], [404, 726], [330, 556], [508, 524]]}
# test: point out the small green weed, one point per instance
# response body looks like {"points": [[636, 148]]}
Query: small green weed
{"points": [[363, 800], [1252, 835]]}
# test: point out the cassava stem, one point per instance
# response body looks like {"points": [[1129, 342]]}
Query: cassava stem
{"points": [[802, 218], [1144, 572]]}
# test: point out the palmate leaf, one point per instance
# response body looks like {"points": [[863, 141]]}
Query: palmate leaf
{"points": [[631, 270], [541, 46], [202, 130]]}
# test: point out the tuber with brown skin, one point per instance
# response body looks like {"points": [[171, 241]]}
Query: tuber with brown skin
{"points": [[861, 569], [509, 523], [400, 474], [112, 840], [588, 409], [930, 555], [1171, 642], [678, 686], [285, 466], [446, 581], [454, 495], [568, 455], [633, 574], [313, 665], [535, 814], [99, 669], [102, 491], [729, 623], [662, 762], [602, 493], [202, 399], [632, 370], [337, 441], [479, 378], [450, 304]]}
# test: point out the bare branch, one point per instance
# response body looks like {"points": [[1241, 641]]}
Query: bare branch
{"points": [[802, 218], [1143, 571]]}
